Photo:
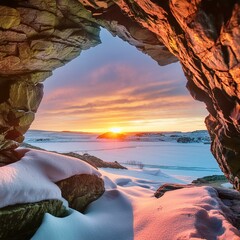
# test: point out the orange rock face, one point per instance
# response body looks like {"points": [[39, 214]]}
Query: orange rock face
{"points": [[39, 36]]}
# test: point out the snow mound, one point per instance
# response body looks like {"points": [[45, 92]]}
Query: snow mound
{"points": [[110, 218], [189, 213], [32, 178], [128, 211]]}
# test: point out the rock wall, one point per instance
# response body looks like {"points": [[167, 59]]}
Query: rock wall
{"points": [[38, 36], [205, 36]]}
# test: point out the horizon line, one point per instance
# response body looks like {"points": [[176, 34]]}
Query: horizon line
{"points": [[97, 132]]}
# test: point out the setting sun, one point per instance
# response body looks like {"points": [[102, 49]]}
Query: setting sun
{"points": [[115, 130]]}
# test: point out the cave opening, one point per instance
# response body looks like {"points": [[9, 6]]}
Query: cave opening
{"points": [[115, 86]]}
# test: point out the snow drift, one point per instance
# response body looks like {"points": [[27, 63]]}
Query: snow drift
{"points": [[128, 210], [32, 178]]}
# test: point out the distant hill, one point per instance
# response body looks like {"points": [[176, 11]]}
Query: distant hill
{"points": [[112, 135]]}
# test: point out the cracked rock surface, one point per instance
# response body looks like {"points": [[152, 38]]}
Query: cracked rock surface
{"points": [[37, 36]]}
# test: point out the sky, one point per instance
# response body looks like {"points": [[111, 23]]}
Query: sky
{"points": [[113, 85]]}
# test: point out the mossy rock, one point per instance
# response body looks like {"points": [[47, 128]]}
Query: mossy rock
{"points": [[80, 190], [210, 179], [21, 221], [10, 17]]}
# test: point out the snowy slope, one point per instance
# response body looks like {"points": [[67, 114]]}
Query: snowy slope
{"points": [[128, 210]]}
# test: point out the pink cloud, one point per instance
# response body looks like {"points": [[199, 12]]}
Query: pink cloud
{"points": [[114, 90]]}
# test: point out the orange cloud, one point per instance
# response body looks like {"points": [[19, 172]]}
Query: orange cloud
{"points": [[125, 90]]}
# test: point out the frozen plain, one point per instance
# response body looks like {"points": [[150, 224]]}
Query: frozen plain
{"points": [[185, 161]]}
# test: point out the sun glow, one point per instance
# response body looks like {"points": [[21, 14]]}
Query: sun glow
{"points": [[115, 130]]}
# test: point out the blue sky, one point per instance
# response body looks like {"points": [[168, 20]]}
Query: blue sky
{"points": [[115, 85]]}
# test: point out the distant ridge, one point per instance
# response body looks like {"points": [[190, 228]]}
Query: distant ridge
{"points": [[112, 135]]}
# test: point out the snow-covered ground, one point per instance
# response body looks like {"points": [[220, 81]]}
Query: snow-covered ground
{"points": [[128, 209], [184, 161]]}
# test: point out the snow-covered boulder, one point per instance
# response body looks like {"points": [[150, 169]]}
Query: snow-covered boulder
{"points": [[36, 184], [80, 190], [33, 178]]}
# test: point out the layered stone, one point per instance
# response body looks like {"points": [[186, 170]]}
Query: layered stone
{"points": [[39, 36], [205, 38], [35, 38]]}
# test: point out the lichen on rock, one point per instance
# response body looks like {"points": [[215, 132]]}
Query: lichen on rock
{"points": [[22, 220], [10, 17]]}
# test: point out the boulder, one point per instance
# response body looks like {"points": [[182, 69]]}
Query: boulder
{"points": [[21, 221], [185, 140], [95, 161], [80, 190], [8, 157], [169, 187], [90, 159], [231, 203], [209, 180]]}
